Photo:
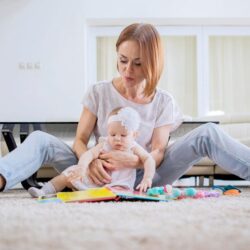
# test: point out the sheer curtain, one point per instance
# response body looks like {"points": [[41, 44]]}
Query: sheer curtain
{"points": [[229, 64], [179, 76], [106, 58]]}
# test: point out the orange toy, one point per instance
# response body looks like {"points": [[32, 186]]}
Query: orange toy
{"points": [[232, 192]]}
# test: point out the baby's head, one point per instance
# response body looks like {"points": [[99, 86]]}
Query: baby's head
{"points": [[123, 125]]}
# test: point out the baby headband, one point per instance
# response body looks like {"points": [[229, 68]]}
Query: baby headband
{"points": [[128, 117]]}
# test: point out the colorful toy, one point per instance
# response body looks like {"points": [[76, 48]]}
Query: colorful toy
{"points": [[200, 194], [232, 192], [156, 191], [212, 193], [176, 193], [227, 190]]}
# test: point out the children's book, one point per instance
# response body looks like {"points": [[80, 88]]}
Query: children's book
{"points": [[89, 195], [137, 196], [100, 194]]}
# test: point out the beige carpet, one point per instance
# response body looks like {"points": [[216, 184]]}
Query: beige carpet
{"points": [[211, 223]]}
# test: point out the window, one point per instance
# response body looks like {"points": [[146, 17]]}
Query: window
{"points": [[206, 68], [229, 63]]}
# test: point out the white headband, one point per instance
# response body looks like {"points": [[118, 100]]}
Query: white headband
{"points": [[128, 117]]}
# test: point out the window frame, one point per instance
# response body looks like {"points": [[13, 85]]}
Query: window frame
{"points": [[201, 33]]}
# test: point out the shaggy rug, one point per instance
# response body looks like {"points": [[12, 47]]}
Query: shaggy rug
{"points": [[210, 223]]}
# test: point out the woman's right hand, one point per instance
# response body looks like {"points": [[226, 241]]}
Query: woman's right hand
{"points": [[98, 174]]}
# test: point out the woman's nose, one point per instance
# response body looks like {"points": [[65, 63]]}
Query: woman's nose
{"points": [[129, 67]]}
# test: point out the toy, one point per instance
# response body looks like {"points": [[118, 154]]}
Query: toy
{"points": [[211, 193], [176, 193], [232, 192], [156, 191], [227, 190], [200, 194]]}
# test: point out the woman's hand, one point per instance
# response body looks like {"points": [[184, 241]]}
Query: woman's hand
{"points": [[116, 159], [98, 174]]}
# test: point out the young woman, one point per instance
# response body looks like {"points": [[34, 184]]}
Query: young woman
{"points": [[139, 63]]}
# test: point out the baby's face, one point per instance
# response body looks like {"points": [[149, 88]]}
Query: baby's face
{"points": [[119, 137]]}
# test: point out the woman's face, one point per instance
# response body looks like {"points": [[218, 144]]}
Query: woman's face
{"points": [[129, 63]]}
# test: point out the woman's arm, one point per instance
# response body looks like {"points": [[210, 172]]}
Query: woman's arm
{"points": [[84, 129], [159, 143]]}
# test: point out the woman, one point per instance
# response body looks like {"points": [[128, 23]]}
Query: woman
{"points": [[140, 65]]}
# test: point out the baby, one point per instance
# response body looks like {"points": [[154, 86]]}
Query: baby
{"points": [[123, 125]]}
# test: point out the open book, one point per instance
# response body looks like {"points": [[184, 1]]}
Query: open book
{"points": [[100, 194]]}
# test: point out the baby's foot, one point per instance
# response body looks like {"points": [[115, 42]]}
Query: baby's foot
{"points": [[48, 189], [36, 192]]}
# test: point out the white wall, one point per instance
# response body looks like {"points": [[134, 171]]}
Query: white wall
{"points": [[168, 9], [43, 46]]}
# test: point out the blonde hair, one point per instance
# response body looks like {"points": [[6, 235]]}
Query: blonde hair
{"points": [[151, 51]]}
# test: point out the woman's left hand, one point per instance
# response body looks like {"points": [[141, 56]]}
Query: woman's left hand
{"points": [[116, 159]]}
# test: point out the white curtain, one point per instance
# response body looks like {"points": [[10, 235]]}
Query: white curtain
{"points": [[179, 76], [106, 58], [229, 64]]}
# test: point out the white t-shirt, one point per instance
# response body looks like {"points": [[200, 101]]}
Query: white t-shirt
{"points": [[102, 98]]}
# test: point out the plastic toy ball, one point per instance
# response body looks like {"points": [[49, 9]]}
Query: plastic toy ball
{"points": [[155, 191], [190, 192], [211, 194], [199, 194], [176, 193]]}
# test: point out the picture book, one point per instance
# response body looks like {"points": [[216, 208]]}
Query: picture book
{"points": [[91, 194], [137, 196], [100, 194]]}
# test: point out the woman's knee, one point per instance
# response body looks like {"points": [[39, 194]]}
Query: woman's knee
{"points": [[39, 138], [209, 127], [37, 134]]}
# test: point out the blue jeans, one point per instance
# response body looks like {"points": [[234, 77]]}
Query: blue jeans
{"points": [[207, 140], [39, 148]]}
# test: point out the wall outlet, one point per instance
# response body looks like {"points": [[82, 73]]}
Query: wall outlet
{"points": [[29, 65], [21, 65]]}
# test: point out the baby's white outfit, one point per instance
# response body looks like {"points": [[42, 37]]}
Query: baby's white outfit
{"points": [[123, 178]]}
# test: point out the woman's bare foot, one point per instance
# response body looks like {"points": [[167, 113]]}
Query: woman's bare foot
{"points": [[2, 182]]}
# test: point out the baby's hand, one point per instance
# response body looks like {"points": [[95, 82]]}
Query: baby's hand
{"points": [[78, 173], [145, 184]]}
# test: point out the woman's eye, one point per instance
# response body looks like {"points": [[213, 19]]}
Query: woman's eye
{"points": [[123, 61], [138, 64], [123, 135]]}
